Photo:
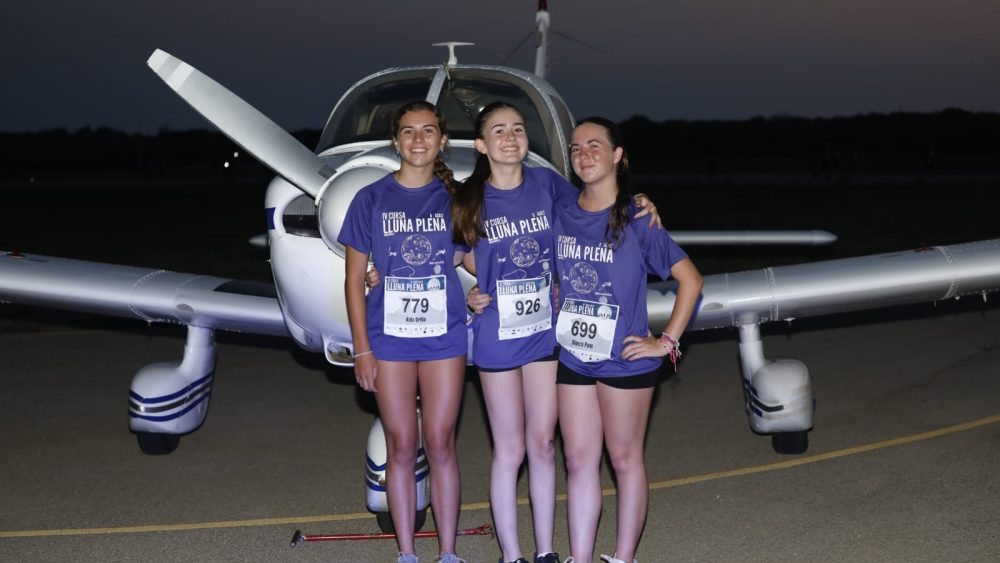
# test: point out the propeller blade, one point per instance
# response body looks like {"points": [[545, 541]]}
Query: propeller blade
{"points": [[246, 126]]}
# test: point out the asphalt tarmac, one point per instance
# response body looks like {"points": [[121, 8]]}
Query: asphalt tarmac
{"points": [[903, 464]]}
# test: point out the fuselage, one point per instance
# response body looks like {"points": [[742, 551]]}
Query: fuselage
{"points": [[307, 262]]}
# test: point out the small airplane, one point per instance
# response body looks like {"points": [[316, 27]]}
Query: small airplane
{"points": [[305, 207]]}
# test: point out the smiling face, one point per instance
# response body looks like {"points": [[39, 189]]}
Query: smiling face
{"points": [[594, 158], [503, 137], [418, 138]]}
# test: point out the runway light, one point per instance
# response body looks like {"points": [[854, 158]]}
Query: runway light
{"points": [[226, 165], [236, 155]]}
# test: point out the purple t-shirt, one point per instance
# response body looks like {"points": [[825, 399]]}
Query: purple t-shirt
{"points": [[515, 265], [602, 290], [418, 311]]}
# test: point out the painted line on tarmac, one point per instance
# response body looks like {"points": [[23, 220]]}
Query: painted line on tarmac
{"points": [[188, 527], [739, 472], [788, 464]]}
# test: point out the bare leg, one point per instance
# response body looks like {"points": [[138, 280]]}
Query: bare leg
{"points": [[504, 405], [397, 403], [625, 413], [582, 432], [441, 385], [539, 383]]}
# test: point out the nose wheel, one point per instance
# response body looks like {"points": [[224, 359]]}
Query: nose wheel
{"points": [[790, 442], [153, 443]]}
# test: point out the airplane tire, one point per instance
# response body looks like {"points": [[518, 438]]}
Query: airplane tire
{"points": [[384, 520], [790, 442], [152, 443]]}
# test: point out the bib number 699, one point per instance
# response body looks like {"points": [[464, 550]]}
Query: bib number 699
{"points": [[584, 329]]}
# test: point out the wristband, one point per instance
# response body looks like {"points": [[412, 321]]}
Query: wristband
{"points": [[673, 347], [666, 339], [356, 356]]}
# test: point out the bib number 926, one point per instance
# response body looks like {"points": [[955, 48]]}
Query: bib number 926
{"points": [[527, 307]]}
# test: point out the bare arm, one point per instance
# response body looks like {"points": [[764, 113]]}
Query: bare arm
{"points": [[365, 364], [689, 284], [689, 288], [474, 300], [469, 262]]}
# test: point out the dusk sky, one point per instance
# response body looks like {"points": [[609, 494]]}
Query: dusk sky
{"points": [[73, 64]]}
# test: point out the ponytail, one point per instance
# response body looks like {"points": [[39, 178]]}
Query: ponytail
{"points": [[468, 202], [445, 174]]}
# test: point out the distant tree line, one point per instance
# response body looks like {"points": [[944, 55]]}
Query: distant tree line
{"points": [[945, 142], [105, 153], [949, 141]]}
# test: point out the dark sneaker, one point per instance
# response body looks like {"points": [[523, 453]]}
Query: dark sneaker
{"points": [[549, 557]]}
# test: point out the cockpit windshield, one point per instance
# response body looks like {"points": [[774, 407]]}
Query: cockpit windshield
{"points": [[470, 90], [366, 112]]}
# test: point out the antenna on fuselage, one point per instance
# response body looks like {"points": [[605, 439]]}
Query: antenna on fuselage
{"points": [[452, 59], [542, 39]]}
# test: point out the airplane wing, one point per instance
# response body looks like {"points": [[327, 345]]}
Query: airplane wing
{"points": [[730, 299], [142, 293], [837, 286], [754, 238]]}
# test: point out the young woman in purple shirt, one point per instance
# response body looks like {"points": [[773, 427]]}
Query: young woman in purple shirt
{"points": [[609, 362], [504, 211], [410, 330]]}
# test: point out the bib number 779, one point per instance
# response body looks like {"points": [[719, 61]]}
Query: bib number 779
{"points": [[415, 305]]}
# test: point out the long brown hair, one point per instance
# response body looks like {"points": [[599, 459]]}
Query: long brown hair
{"points": [[441, 169], [467, 202], [620, 215]]}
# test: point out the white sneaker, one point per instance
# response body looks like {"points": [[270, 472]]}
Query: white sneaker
{"points": [[407, 558], [613, 559], [449, 558]]}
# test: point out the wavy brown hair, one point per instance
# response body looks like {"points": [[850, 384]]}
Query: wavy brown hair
{"points": [[467, 202], [441, 169], [620, 216]]}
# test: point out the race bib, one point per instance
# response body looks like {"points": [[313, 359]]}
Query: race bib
{"points": [[525, 307], [415, 307], [587, 329]]}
